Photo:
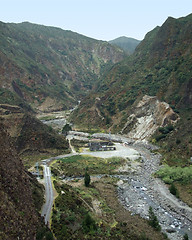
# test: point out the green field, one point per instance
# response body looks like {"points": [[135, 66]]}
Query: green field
{"points": [[76, 165]]}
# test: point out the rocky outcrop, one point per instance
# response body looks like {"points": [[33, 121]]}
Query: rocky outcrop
{"points": [[148, 115]]}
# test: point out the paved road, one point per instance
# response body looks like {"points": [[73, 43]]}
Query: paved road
{"points": [[46, 211]]}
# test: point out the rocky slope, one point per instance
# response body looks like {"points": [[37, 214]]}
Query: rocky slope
{"points": [[18, 216], [48, 67], [148, 115]]}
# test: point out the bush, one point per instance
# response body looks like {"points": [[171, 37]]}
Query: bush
{"points": [[153, 221], [159, 137], [163, 130], [66, 129], [87, 179], [49, 236], [88, 224], [173, 190], [172, 174], [185, 237], [178, 141], [166, 129]]}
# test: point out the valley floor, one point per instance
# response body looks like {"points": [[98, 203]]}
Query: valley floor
{"points": [[137, 189]]}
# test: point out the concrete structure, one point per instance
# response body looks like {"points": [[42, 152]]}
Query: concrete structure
{"points": [[101, 146]]}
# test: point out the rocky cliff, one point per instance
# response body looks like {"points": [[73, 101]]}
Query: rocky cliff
{"points": [[148, 115]]}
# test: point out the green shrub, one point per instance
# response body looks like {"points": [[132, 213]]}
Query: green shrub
{"points": [[172, 174], [185, 237], [49, 236], [178, 141], [153, 221], [87, 179], [163, 130], [66, 129], [166, 130], [88, 224], [159, 137], [173, 190]]}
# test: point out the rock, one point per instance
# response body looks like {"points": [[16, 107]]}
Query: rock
{"points": [[120, 182], [147, 117], [170, 230]]}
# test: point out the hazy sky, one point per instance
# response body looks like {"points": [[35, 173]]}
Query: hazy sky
{"points": [[99, 19]]}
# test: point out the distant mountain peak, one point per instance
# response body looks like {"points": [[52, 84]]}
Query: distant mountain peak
{"points": [[128, 44]]}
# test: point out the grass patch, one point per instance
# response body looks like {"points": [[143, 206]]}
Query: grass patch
{"points": [[47, 118], [76, 165], [180, 180]]}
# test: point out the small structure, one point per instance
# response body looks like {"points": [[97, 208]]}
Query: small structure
{"points": [[101, 146]]}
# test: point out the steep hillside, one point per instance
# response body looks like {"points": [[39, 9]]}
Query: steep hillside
{"points": [[18, 216], [127, 44], [48, 67], [30, 136], [161, 66]]}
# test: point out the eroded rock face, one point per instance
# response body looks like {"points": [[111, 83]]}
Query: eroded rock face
{"points": [[147, 117]]}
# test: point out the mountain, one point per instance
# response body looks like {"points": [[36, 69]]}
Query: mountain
{"points": [[30, 136], [127, 44], [49, 68], [19, 217], [161, 66]]}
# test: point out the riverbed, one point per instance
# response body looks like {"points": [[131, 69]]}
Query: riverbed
{"points": [[138, 189]]}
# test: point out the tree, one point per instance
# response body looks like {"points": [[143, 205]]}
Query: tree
{"points": [[87, 179], [173, 190], [153, 221], [185, 237], [66, 129]]}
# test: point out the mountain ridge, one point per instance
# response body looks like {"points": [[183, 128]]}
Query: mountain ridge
{"points": [[41, 63], [160, 66]]}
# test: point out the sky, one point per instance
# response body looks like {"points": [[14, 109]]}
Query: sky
{"points": [[99, 19]]}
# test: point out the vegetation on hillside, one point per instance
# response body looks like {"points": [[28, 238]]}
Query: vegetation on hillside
{"points": [[127, 44], [19, 191], [95, 213], [161, 66], [50, 67], [33, 139]]}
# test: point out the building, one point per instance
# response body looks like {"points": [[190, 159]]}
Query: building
{"points": [[101, 146]]}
